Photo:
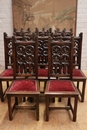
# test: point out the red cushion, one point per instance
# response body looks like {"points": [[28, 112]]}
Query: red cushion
{"points": [[43, 72], [7, 72], [77, 73], [61, 85], [23, 85]]}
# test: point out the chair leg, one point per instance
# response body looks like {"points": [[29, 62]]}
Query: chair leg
{"points": [[24, 99], [59, 99], [37, 108], [75, 108], [47, 108], [45, 85], [1, 92], [9, 107], [78, 84], [53, 100], [30, 99], [83, 91], [7, 84], [69, 100], [16, 100]]}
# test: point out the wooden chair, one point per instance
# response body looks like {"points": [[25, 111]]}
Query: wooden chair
{"points": [[24, 66], [78, 75], [7, 74], [60, 56]]}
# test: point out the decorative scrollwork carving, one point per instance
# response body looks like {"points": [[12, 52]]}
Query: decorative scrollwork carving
{"points": [[9, 44], [76, 51], [10, 52], [42, 51], [29, 50], [30, 59], [60, 59], [56, 49], [25, 54], [65, 49], [56, 58], [21, 59], [20, 50]]}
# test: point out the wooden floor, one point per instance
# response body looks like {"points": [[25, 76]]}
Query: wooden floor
{"points": [[24, 119]]}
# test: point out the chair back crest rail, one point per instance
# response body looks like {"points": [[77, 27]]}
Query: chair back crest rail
{"points": [[28, 36], [57, 37], [19, 33], [43, 32]]}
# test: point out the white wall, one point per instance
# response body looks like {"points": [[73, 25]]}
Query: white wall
{"points": [[7, 26], [82, 27]]}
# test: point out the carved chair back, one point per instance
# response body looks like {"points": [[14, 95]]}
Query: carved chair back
{"points": [[25, 55], [77, 51], [60, 58]]}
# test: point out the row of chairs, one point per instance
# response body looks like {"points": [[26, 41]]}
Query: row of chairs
{"points": [[22, 59], [78, 75]]}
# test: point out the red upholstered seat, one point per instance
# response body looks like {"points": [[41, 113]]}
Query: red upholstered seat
{"points": [[23, 85], [77, 73], [61, 85], [43, 72], [7, 72]]}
